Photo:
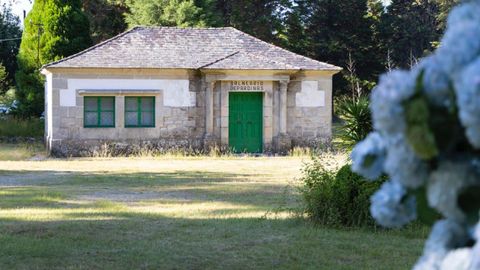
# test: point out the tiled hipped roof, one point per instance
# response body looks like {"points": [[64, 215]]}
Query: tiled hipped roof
{"points": [[188, 48]]}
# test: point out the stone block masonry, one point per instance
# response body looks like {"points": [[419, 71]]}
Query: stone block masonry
{"points": [[181, 120]]}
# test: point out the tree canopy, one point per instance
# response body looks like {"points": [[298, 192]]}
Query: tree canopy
{"points": [[363, 36], [182, 13], [106, 18], [409, 28], [53, 29]]}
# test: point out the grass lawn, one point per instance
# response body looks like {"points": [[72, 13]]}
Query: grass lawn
{"points": [[20, 151], [176, 213]]}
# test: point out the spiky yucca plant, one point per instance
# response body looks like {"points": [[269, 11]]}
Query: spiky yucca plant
{"points": [[357, 121]]}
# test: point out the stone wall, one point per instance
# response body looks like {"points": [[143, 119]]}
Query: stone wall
{"points": [[174, 126], [118, 147], [179, 114], [312, 125]]}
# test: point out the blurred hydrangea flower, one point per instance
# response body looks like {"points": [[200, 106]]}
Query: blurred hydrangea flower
{"points": [[436, 82], [391, 207], [467, 89], [368, 156], [387, 110], [445, 235], [469, 11], [402, 165], [458, 259], [445, 184], [460, 46], [476, 248]]}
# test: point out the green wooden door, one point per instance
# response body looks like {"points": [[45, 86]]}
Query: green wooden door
{"points": [[245, 131]]}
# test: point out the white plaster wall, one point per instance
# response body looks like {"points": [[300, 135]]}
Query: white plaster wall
{"points": [[175, 92], [67, 98], [310, 95]]}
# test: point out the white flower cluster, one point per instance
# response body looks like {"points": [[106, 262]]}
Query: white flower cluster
{"points": [[394, 88], [390, 208], [435, 81], [370, 156], [445, 236], [411, 149], [468, 99], [448, 258], [445, 184], [402, 165]]}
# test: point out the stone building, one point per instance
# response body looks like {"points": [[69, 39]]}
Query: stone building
{"points": [[194, 87]]}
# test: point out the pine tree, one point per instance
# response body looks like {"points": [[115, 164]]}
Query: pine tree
{"points": [[106, 18], [378, 53], [409, 28], [53, 29], [295, 36], [337, 29], [260, 18]]}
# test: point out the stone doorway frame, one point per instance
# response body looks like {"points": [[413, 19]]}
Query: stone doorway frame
{"points": [[269, 142], [267, 101]]}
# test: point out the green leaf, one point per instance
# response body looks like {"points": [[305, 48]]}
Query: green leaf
{"points": [[418, 133], [425, 213]]}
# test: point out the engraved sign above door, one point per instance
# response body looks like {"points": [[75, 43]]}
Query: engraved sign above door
{"points": [[248, 86]]}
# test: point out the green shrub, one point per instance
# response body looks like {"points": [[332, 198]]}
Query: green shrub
{"points": [[356, 117], [351, 197], [336, 198], [317, 192], [14, 127]]}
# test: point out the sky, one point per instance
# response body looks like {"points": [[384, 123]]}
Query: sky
{"points": [[18, 6]]}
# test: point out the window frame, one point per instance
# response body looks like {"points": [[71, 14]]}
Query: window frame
{"points": [[98, 111], [139, 111]]}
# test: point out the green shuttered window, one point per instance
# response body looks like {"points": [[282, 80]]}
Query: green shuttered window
{"points": [[99, 112], [139, 111]]}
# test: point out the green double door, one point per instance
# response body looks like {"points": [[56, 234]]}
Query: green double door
{"points": [[245, 130]]}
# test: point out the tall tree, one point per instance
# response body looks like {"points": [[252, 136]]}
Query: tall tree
{"points": [[106, 18], [295, 34], [54, 29], [9, 33], [339, 30], [377, 51], [409, 28], [260, 18], [4, 82], [183, 13]]}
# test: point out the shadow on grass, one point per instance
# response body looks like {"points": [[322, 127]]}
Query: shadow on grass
{"points": [[52, 189]]}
